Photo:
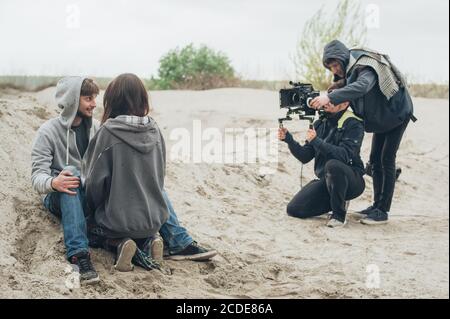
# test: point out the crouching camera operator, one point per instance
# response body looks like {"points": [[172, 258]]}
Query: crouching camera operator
{"points": [[334, 142]]}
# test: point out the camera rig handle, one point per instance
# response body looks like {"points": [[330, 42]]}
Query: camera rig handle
{"points": [[288, 117], [308, 118], [281, 120]]}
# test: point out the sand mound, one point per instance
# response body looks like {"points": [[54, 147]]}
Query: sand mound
{"points": [[241, 212]]}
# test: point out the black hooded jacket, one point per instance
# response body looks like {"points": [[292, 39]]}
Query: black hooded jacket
{"points": [[342, 144], [380, 115]]}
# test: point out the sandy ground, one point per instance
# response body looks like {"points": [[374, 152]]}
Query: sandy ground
{"points": [[240, 212]]}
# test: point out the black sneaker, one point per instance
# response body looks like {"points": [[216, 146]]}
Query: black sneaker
{"points": [[367, 211], [376, 217], [88, 274], [193, 252]]}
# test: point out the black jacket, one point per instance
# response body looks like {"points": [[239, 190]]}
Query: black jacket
{"points": [[368, 102], [343, 144]]}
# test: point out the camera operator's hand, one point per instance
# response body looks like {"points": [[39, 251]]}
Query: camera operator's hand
{"points": [[319, 102], [64, 182], [282, 132], [311, 135]]}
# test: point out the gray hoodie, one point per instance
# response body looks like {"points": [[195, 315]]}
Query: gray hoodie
{"points": [[55, 144], [124, 169]]}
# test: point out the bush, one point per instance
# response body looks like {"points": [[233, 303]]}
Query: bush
{"points": [[196, 69], [345, 23]]}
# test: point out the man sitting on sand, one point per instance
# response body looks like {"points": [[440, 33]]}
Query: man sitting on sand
{"points": [[61, 142], [334, 142]]}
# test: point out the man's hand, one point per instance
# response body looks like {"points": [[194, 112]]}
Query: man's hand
{"points": [[311, 135], [282, 134], [319, 102], [64, 182]]}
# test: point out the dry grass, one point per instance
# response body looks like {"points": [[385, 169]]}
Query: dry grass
{"points": [[27, 83], [432, 90], [37, 83]]}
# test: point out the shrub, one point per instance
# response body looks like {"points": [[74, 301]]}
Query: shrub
{"points": [[192, 68]]}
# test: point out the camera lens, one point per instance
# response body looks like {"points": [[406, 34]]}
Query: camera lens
{"points": [[295, 98]]}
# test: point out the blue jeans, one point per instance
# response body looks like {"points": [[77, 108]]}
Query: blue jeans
{"points": [[71, 210], [175, 237]]}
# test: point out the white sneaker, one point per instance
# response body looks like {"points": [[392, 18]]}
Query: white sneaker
{"points": [[157, 249], [334, 223], [125, 253]]}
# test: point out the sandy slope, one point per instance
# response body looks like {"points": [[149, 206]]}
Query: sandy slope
{"points": [[240, 212]]}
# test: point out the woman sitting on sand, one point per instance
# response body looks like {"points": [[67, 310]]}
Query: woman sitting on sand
{"points": [[124, 168]]}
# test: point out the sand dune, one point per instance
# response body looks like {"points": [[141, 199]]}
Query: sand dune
{"points": [[241, 213]]}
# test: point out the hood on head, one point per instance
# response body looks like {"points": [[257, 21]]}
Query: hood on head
{"points": [[141, 137], [336, 50], [67, 96]]}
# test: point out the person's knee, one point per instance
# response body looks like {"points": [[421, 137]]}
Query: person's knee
{"points": [[66, 200], [333, 166], [295, 210], [389, 161], [70, 196], [375, 158]]}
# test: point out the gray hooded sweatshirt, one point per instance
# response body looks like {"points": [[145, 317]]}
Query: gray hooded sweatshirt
{"points": [[55, 144], [124, 170]]}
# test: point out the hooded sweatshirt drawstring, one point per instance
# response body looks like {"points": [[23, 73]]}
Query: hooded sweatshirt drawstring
{"points": [[67, 147]]}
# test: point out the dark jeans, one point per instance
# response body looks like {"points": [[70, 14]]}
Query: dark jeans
{"points": [[98, 239], [341, 183], [175, 237], [71, 210], [382, 157]]}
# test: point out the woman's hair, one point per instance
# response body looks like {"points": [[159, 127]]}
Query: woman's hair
{"points": [[125, 95]]}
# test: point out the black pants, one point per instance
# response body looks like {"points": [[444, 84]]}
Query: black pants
{"points": [[98, 239], [341, 183], [382, 157]]}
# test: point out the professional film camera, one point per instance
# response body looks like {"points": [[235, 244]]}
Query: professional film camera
{"points": [[296, 100]]}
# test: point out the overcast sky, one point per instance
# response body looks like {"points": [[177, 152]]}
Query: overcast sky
{"points": [[109, 37]]}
